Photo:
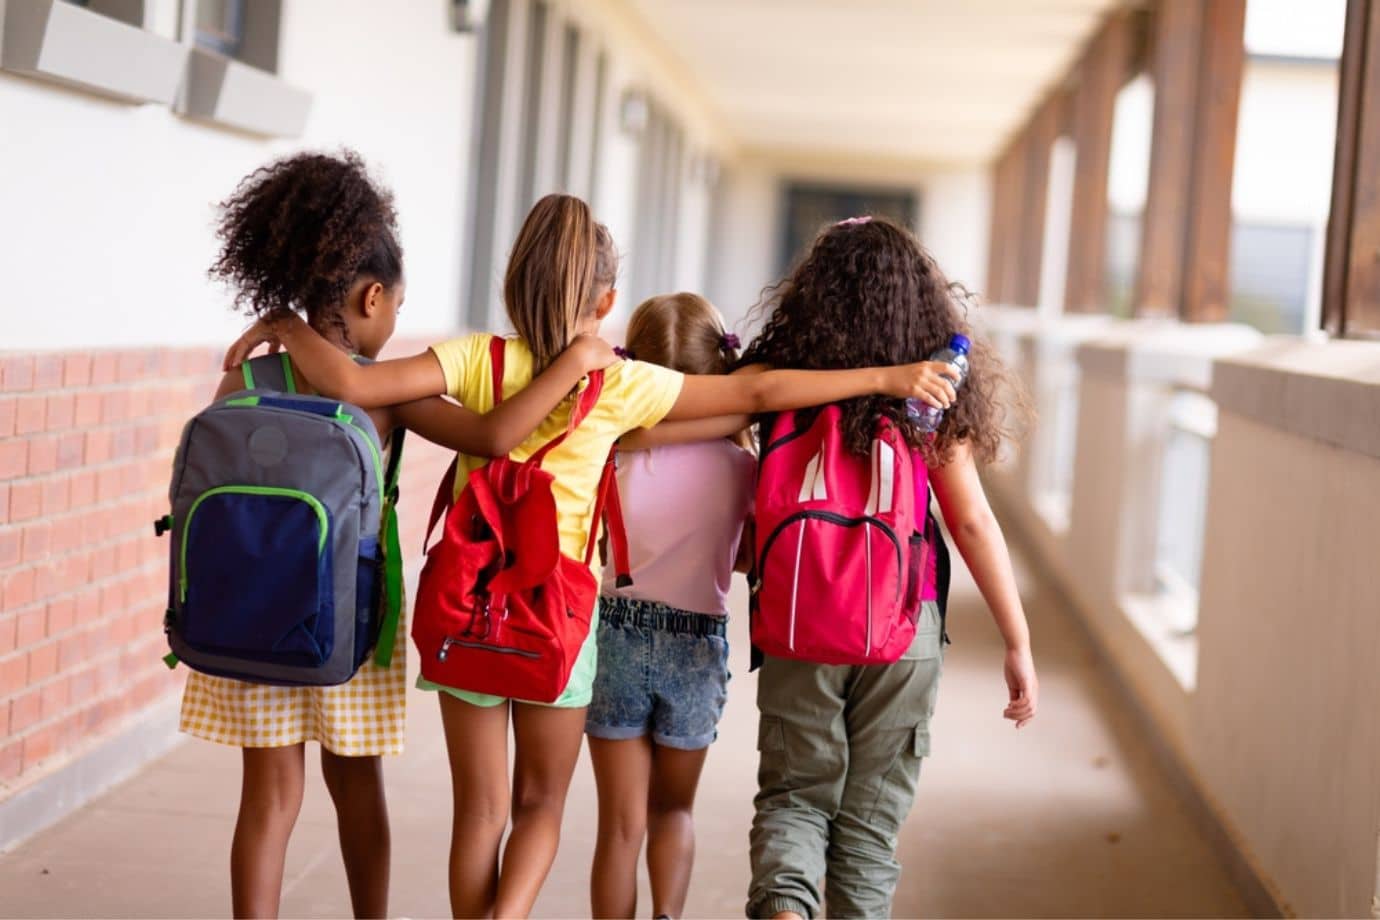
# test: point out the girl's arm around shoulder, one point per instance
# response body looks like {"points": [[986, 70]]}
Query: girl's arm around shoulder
{"points": [[980, 542], [501, 430], [782, 390], [335, 374], [688, 432]]}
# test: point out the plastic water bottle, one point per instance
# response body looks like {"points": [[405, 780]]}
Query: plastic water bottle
{"points": [[955, 354]]}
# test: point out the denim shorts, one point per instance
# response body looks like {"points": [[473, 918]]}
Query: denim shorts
{"points": [[662, 672]]}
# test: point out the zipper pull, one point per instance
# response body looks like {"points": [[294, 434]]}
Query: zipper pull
{"points": [[445, 648]]}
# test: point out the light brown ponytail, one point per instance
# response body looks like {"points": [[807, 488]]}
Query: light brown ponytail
{"points": [[560, 264]]}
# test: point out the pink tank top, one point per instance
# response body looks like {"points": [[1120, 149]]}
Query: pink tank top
{"points": [[683, 506]]}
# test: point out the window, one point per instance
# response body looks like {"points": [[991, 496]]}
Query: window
{"points": [[809, 208], [220, 25], [1128, 177], [1286, 127]]}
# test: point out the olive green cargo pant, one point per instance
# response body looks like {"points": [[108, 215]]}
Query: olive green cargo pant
{"points": [[840, 750]]}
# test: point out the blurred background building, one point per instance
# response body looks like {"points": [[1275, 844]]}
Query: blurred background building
{"points": [[1170, 208]]}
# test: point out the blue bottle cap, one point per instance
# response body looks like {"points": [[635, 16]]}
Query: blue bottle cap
{"points": [[960, 344]]}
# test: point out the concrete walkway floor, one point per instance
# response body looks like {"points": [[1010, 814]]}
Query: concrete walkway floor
{"points": [[1067, 818]]}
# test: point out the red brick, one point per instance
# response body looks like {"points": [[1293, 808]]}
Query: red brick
{"points": [[9, 410], [104, 366], [89, 606], [19, 589], [47, 372], [62, 409], [133, 365], [25, 711], [98, 446], [8, 626], [11, 760], [30, 627], [26, 501], [14, 671], [88, 410], [62, 616], [112, 598], [43, 662], [39, 746], [55, 696], [48, 580], [83, 683], [70, 451], [66, 535], [42, 455], [37, 539], [139, 402], [146, 439], [71, 651], [103, 563], [11, 547], [127, 555], [115, 406], [76, 371], [17, 372], [30, 414], [122, 443], [14, 457], [56, 494], [83, 488]]}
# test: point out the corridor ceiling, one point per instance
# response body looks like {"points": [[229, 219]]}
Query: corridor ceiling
{"points": [[932, 80]]}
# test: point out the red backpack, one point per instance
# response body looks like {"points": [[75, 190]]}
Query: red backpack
{"points": [[842, 548], [500, 609]]}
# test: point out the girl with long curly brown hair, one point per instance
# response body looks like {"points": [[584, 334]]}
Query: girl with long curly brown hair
{"points": [[841, 745], [314, 234]]}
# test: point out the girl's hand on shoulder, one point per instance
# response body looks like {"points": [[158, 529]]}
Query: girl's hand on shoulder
{"points": [[261, 333], [595, 354], [1023, 685], [931, 382]]}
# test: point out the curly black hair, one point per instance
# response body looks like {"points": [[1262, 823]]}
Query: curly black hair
{"points": [[298, 233], [868, 294]]}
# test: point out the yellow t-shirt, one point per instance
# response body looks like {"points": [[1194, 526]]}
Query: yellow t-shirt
{"points": [[635, 395]]}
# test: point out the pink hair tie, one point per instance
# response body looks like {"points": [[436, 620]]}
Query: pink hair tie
{"points": [[623, 353], [729, 342]]}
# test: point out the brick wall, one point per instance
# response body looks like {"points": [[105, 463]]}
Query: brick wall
{"points": [[86, 444]]}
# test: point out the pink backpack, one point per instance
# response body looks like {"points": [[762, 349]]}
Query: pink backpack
{"points": [[842, 549]]}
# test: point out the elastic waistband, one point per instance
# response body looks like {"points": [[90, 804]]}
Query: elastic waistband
{"points": [[623, 611]]}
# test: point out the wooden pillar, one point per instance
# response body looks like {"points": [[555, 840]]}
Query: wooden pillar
{"points": [[1016, 162], [1351, 279], [998, 235], [1197, 64], [1040, 135], [1207, 288], [1101, 73]]}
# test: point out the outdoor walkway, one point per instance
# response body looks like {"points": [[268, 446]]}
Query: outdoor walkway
{"points": [[1068, 817]]}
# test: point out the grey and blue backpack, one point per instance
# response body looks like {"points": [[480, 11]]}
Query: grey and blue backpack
{"points": [[279, 500]]}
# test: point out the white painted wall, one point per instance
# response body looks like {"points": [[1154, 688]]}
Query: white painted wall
{"points": [[108, 208]]}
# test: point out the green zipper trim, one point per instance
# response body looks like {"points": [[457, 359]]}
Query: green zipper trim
{"points": [[393, 590], [250, 490], [288, 379], [243, 401], [348, 419], [248, 375]]}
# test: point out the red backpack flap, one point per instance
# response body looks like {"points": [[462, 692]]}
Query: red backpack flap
{"points": [[500, 609]]}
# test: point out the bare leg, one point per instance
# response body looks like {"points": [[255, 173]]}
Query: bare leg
{"points": [[671, 826], [622, 771], [270, 799], [548, 744], [477, 742], [361, 813]]}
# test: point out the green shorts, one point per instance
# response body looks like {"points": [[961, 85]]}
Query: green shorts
{"points": [[577, 692]]}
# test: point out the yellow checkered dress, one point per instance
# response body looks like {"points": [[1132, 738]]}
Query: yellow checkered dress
{"points": [[362, 717]]}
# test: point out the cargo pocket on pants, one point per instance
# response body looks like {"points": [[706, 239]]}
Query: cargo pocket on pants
{"points": [[897, 792], [772, 766]]}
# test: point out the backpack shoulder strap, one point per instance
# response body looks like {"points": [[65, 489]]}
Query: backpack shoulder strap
{"points": [[608, 508], [269, 372], [498, 345]]}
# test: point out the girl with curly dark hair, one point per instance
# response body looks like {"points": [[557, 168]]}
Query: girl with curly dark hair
{"points": [[560, 282], [841, 745], [314, 234]]}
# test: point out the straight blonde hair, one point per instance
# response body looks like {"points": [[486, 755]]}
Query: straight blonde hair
{"points": [[562, 261]]}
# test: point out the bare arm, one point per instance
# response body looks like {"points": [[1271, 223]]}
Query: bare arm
{"points": [[979, 539], [780, 390], [690, 432], [335, 374]]}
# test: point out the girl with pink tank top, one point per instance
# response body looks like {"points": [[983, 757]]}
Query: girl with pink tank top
{"points": [[663, 653]]}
